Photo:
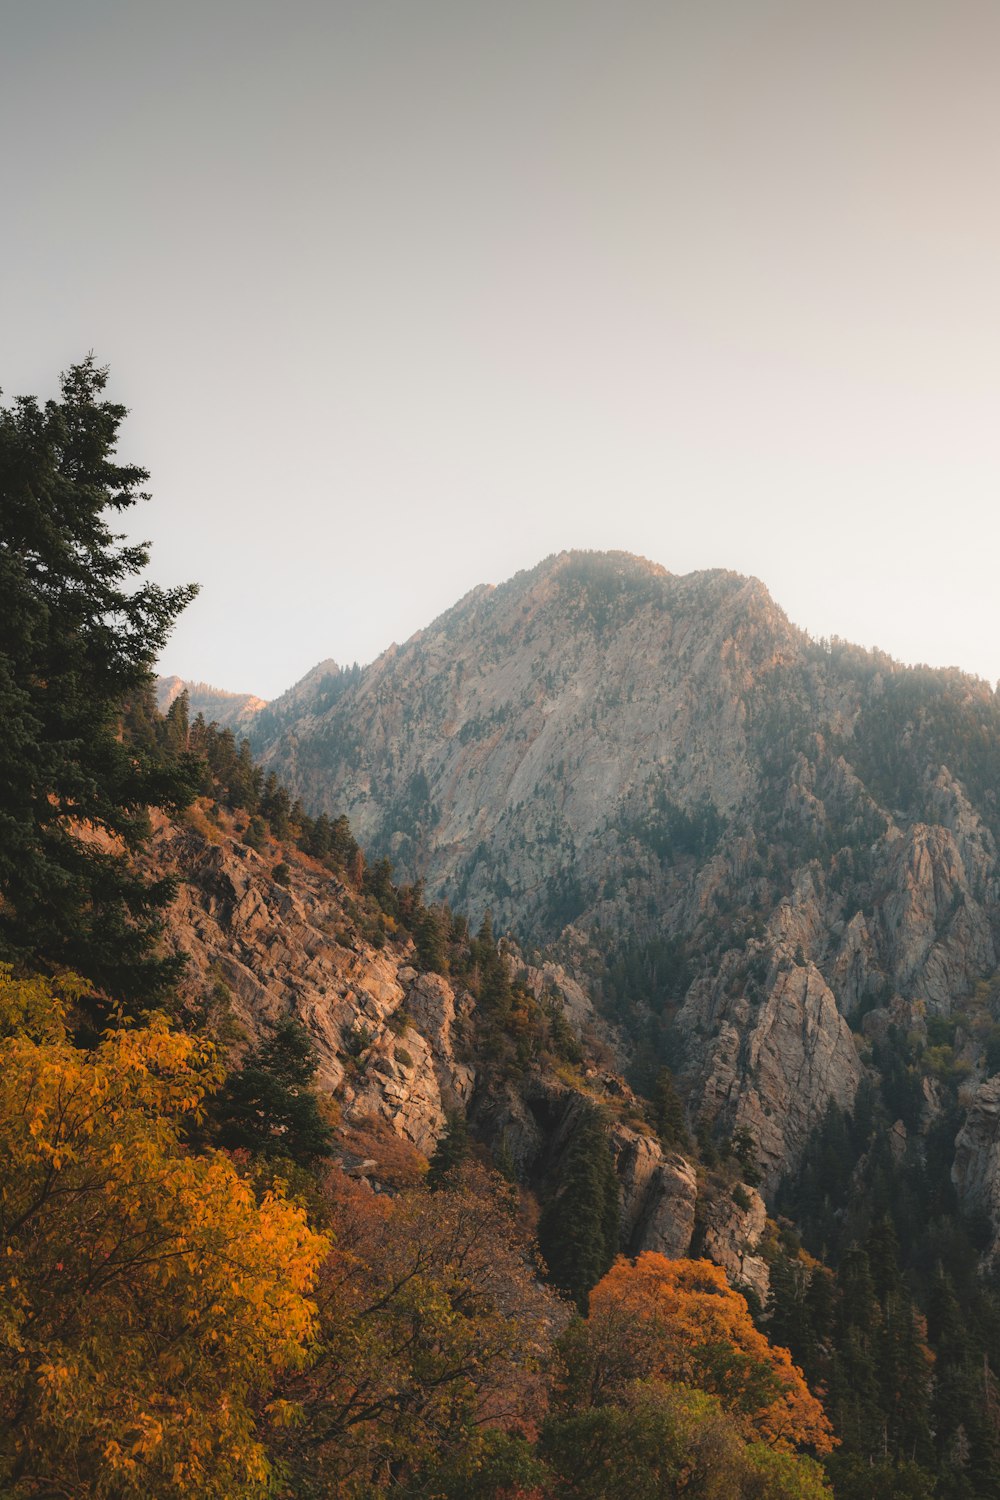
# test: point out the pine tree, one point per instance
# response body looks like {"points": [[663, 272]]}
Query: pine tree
{"points": [[78, 636], [495, 996], [904, 1374], [450, 1151], [668, 1112], [883, 1258], [429, 937], [176, 729], [268, 1105], [578, 1229]]}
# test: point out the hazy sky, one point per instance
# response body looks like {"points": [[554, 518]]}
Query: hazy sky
{"points": [[406, 294]]}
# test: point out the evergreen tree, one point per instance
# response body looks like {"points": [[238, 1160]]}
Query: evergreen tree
{"points": [[244, 780], [344, 851], [319, 841], [78, 636], [494, 994], [268, 1105], [904, 1374], [883, 1258], [745, 1152], [379, 882], [578, 1229], [429, 937], [854, 1384], [668, 1112], [450, 1151], [789, 1321], [176, 726]]}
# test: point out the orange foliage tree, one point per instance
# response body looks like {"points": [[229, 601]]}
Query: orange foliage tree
{"points": [[679, 1320], [147, 1297]]}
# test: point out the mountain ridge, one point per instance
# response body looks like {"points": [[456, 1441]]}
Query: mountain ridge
{"points": [[740, 836]]}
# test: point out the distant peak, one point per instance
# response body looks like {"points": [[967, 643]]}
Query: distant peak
{"points": [[325, 668], [580, 560]]}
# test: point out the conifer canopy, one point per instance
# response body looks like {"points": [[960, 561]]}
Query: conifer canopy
{"points": [[79, 632]]}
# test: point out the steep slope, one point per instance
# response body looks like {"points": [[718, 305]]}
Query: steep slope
{"points": [[498, 747], [746, 837], [396, 1044]]}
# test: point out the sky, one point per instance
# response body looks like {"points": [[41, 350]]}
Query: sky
{"points": [[404, 295]]}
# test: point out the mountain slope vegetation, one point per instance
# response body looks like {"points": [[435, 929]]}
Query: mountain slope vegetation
{"points": [[230, 1270]]}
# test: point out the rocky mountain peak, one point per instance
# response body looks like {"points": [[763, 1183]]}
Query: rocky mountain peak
{"points": [[744, 839]]}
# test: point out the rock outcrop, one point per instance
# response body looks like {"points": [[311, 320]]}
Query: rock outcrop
{"points": [[659, 1194], [389, 1040], [976, 1170], [234, 711], [732, 1229]]}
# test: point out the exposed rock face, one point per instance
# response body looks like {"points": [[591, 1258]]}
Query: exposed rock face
{"points": [[546, 707], [659, 1193], [667, 1221], [388, 1039], [411, 1076], [229, 710], [773, 1068], [394, 1044], [731, 1232], [663, 1210], [855, 974], [976, 1171], [937, 932], [601, 749]]}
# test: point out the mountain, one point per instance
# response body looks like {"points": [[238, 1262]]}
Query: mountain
{"points": [[335, 1149], [761, 850], [229, 710]]}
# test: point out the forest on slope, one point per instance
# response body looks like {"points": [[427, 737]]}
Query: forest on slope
{"points": [[219, 1280]]}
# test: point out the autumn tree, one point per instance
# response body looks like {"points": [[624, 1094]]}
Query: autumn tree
{"points": [[661, 1439], [79, 631], [148, 1298], [679, 1320], [433, 1332]]}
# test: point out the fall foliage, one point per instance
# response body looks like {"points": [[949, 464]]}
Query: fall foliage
{"points": [[434, 1332], [148, 1298], [679, 1320], [662, 1439]]}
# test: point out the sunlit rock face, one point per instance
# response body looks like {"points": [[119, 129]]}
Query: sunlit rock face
{"points": [[234, 711], [613, 758], [387, 1038], [394, 1045]]}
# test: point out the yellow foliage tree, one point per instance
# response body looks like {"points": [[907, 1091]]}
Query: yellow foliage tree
{"points": [[679, 1320], [147, 1299]]}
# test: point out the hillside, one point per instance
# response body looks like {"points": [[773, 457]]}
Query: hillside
{"points": [[759, 850], [310, 1187], [400, 1048]]}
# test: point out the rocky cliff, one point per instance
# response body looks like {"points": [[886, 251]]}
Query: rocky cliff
{"points": [[742, 839], [395, 1045]]}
